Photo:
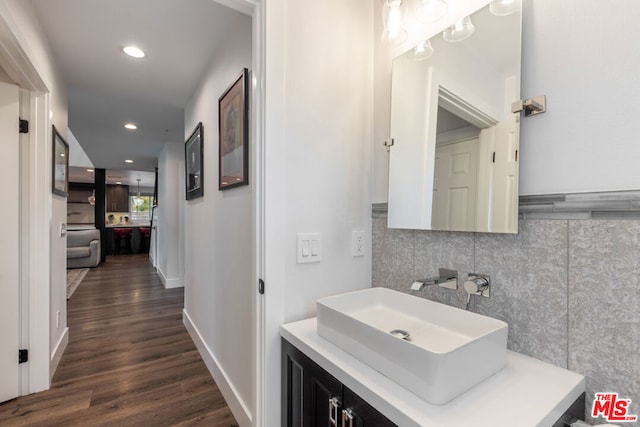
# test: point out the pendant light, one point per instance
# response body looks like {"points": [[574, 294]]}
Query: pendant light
{"points": [[137, 200], [459, 31]]}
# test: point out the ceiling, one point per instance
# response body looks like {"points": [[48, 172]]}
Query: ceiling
{"points": [[125, 177], [106, 88]]}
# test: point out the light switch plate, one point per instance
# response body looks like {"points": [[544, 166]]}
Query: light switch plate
{"points": [[63, 229], [309, 247], [357, 243]]}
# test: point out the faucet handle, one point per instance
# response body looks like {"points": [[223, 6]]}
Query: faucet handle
{"points": [[478, 284]]}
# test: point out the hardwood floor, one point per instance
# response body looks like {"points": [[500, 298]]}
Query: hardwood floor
{"points": [[130, 361]]}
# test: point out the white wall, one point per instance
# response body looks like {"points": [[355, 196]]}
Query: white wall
{"points": [[77, 156], [218, 232], [318, 165], [577, 54], [169, 214], [24, 23]]}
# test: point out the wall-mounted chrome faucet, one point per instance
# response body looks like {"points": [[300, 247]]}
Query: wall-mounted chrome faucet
{"points": [[447, 279], [477, 284]]}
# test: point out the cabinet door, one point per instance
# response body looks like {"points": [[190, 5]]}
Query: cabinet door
{"points": [[117, 198], [293, 390], [122, 198], [310, 395], [358, 413], [325, 398]]}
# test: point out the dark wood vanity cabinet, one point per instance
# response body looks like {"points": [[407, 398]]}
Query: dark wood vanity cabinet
{"points": [[117, 198], [311, 397]]}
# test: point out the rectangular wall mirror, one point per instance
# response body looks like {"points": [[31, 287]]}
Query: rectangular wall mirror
{"points": [[454, 162]]}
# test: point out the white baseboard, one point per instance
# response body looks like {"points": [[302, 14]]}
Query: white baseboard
{"points": [[238, 407], [56, 356], [169, 283]]}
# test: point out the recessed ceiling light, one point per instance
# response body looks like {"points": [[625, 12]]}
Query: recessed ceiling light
{"points": [[128, 161], [89, 170], [118, 182], [130, 126], [134, 52]]}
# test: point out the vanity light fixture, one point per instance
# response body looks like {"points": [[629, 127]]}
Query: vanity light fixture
{"points": [[130, 126], [433, 10], [504, 7], [128, 161], [392, 14], [134, 52], [423, 50], [459, 31]]}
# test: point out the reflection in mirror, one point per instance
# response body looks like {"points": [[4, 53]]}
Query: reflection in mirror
{"points": [[454, 164]]}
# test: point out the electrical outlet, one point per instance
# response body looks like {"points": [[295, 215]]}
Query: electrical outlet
{"points": [[357, 243]]}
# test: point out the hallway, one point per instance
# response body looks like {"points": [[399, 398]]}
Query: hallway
{"points": [[129, 362]]}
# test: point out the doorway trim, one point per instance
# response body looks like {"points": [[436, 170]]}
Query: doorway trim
{"points": [[35, 280], [256, 9]]}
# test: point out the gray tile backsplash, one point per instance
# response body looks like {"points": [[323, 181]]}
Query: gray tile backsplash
{"points": [[604, 306], [569, 290]]}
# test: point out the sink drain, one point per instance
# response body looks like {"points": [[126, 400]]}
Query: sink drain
{"points": [[402, 334]]}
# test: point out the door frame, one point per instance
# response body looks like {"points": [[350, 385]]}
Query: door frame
{"points": [[263, 318], [35, 182]]}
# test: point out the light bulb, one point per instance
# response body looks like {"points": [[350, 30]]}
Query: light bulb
{"points": [[432, 10], [423, 50], [459, 31], [504, 7], [392, 16]]}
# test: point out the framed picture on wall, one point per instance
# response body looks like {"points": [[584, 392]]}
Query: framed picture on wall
{"points": [[60, 166], [233, 128], [194, 164]]}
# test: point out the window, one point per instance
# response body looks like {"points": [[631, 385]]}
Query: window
{"points": [[142, 211]]}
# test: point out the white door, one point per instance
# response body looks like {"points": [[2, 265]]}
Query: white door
{"points": [[454, 186], [9, 242], [504, 199]]}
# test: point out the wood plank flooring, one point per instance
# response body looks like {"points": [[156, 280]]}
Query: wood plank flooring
{"points": [[130, 361]]}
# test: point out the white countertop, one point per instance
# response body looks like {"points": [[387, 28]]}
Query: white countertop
{"points": [[526, 393]]}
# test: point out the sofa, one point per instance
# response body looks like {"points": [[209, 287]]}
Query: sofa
{"points": [[83, 248]]}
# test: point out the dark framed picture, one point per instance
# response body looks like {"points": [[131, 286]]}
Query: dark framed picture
{"points": [[60, 166], [194, 164], [233, 126]]}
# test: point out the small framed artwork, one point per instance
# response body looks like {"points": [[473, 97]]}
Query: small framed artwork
{"points": [[233, 126], [60, 167], [193, 160]]}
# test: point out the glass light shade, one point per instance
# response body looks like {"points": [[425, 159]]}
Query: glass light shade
{"points": [[432, 10], [504, 7], [459, 31], [423, 50], [138, 201], [392, 19]]}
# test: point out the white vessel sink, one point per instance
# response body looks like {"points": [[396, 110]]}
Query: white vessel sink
{"points": [[448, 352]]}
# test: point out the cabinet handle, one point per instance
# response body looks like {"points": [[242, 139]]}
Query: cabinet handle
{"points": [[347, 416], [334, 403]]}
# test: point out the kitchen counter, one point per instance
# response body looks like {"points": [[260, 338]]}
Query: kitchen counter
{"points": [[526, 393]]}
